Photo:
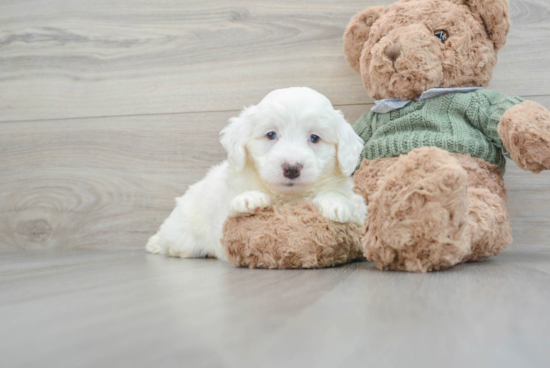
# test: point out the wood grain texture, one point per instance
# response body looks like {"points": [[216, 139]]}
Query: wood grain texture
{"points": [[128, 309], [61, 59], [99, 182]]}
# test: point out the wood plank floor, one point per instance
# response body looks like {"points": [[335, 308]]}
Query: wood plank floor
{"points": [[128, 309]]}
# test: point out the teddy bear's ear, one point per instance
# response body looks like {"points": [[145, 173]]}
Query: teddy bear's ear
{"points": [[357, 33], [494, 14]]}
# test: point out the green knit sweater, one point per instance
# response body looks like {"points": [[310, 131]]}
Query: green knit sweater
{"points": [[456, 122]]}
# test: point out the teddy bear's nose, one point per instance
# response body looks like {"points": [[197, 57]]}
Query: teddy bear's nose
{"points": [[393, 51]]}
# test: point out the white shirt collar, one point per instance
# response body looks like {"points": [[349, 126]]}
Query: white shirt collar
{"points": [[391, 104]]}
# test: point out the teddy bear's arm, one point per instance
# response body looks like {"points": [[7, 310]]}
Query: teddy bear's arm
{"points": [[520, 128], [525, 133]]}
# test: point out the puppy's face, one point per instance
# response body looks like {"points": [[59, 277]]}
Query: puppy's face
{"points": [[293, 150], [294, 139]]}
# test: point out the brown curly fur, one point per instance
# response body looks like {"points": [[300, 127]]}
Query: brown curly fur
{"points": [[525, 133], [290, 236], [430, 209], [477, 30]]}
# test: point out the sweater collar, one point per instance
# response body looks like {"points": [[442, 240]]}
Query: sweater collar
{"points": [[391, 104]]}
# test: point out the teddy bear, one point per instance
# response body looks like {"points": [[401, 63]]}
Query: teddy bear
{"points": [[436, 140]]}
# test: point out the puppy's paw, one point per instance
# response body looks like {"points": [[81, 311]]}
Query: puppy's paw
{"points": [[359, 209], [156, 245], [339, 209], [249, 203]]}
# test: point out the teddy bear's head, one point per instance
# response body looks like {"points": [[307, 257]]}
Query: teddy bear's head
{"points": [[415, 45]]}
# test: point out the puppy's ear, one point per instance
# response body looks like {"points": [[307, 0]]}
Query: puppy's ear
{"points": [[357, 33], [349, 146], [235, 136], [496, 18]]}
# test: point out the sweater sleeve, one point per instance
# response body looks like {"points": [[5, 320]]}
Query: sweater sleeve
{"points": [[486, 110]]}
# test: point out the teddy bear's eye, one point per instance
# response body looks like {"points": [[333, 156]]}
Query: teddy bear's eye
{"points": [[442, 34]]}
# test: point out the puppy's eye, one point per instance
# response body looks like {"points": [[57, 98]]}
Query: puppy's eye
{"points": [[442, 34], [271, 136], [314, 138]]}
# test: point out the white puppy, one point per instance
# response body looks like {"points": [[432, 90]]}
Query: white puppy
{"points": [[291, 146]]}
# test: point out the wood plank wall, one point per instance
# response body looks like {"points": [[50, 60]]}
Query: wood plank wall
{"points": [[109, 110]]}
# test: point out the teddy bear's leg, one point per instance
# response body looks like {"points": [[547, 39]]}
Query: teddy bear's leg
{"points": [[291, 236], [489, 223], [367, 178], [418, 216]]}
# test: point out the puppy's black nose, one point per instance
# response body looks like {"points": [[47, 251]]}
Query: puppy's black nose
{"points": [[291, 171]]}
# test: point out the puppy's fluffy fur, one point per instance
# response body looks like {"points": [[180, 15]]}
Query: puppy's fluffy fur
{"points": [[262, 142]]}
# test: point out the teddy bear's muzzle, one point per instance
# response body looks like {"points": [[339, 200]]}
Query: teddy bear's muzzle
{"points": [[404, 63]]}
